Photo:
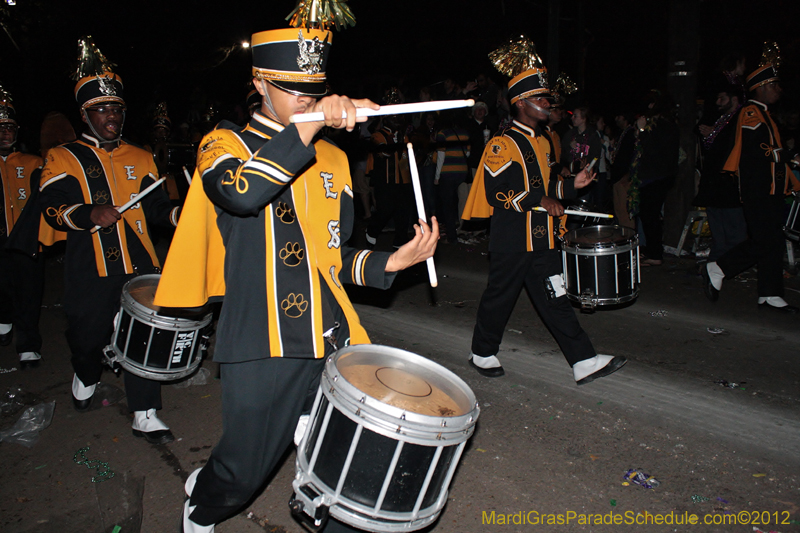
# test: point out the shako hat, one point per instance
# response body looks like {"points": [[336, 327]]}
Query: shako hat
{"points": [[97, 82], [161, 117], [767, 70], [8, 115], [519, 60], [292, 59]]}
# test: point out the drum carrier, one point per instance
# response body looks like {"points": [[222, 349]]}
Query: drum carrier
{"points": [[151, 344], [601, 265], [387, 430]]}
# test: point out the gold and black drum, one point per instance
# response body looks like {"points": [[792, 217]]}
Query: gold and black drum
{"points": [[153, 342], [387, 430], [601, 265]]}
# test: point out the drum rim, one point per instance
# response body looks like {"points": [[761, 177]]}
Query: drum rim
{"points": [[628, 240], [387, 417], [147, 315]]}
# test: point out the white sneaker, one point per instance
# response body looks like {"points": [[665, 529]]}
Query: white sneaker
{"points": [[80, 391], [188, 525], [147, 424], [29, 359], [598, 366]]}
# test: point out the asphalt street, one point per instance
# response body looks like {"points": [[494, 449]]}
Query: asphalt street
{"points": [[707, 404]]}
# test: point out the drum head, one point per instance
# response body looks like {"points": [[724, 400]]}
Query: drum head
{"points": [[143, 290], [599, 235], [405, 380]]}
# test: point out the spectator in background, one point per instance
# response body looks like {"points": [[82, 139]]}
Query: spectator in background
{"points": [[653, 171], [451, 170], [601, 195], [580, 144], [424, 141], [718, 190], [619, 174]]}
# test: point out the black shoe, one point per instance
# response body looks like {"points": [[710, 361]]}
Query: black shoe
{"points": [[494, 372], [786, 309], [708, 289], [162, 436], [82, 405], [5, 340], [612, 366]]}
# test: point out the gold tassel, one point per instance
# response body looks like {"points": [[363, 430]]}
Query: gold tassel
{"points": [[564, 85], [91, 61], [770, 55], [516, 56], [327, 13], [5, 97]]}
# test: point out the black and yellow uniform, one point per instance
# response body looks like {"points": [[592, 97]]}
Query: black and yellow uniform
{"points": [[76, 177], [21, 276], [266, 228], [387, 167], [515, 176], [760, 162]]}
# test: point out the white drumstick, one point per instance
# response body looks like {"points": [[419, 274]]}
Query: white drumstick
{"points": [[579, 213], [188, 177], [397, 109], [412, 162], [135, 200]]}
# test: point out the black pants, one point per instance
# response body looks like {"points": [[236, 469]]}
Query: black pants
{"points": [[261, 403], [508, 273], [91, 302], [764, 246], [21, 289], [651, 200], [448, 201], [391, 202]]}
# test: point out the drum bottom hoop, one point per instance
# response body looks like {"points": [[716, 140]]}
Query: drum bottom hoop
{"points": [[368, 523], [607, 301]]}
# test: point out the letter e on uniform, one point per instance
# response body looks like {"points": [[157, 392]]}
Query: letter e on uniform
{"points": [[129, 172], [327, 182]]}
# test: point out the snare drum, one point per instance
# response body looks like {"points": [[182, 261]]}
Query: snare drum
{"points": [[601, 265], [387, 430], [150, 343], [792, 227]]}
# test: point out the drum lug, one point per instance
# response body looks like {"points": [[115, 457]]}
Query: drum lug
{"points": [[588, 300], [310, 500], [110, 358]]}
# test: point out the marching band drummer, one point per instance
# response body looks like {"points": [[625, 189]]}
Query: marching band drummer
{"points": [[275, 207], [81, 184], [514, 177]]}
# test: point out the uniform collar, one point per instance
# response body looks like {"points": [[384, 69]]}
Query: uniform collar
{"points": [[759, 104], [527, 130], [92, 141], [263, 126]]}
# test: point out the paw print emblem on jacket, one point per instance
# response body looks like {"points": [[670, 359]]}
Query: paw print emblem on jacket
{"points": [[112, 254], [294, 305], [94, 171], [292, 254], [100, 197], [539, 232], [284, 212]]}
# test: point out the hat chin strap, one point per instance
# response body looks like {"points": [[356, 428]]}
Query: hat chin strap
{"points": [[97, 136], [537, 108], [266, 100]]}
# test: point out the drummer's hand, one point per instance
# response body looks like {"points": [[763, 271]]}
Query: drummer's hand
{"points": [[583, 178], [553, 206], [332, 108], [104, 215], [418, 249]]}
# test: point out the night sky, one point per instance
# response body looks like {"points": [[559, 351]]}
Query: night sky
{"points": [[187, 55]]}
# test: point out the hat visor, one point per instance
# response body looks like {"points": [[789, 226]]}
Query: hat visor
{"points": [[314, 89]]}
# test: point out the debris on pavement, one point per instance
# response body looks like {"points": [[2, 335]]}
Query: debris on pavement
{"points": [[696, 498], [729, 384], [717, 331], [103, 471], [33, 420], [638, 476], [659, 313]]}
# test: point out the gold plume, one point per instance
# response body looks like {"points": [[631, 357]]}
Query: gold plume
{"points": [[326, 13], [770, 55], [91, 61], [516, 56]]}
